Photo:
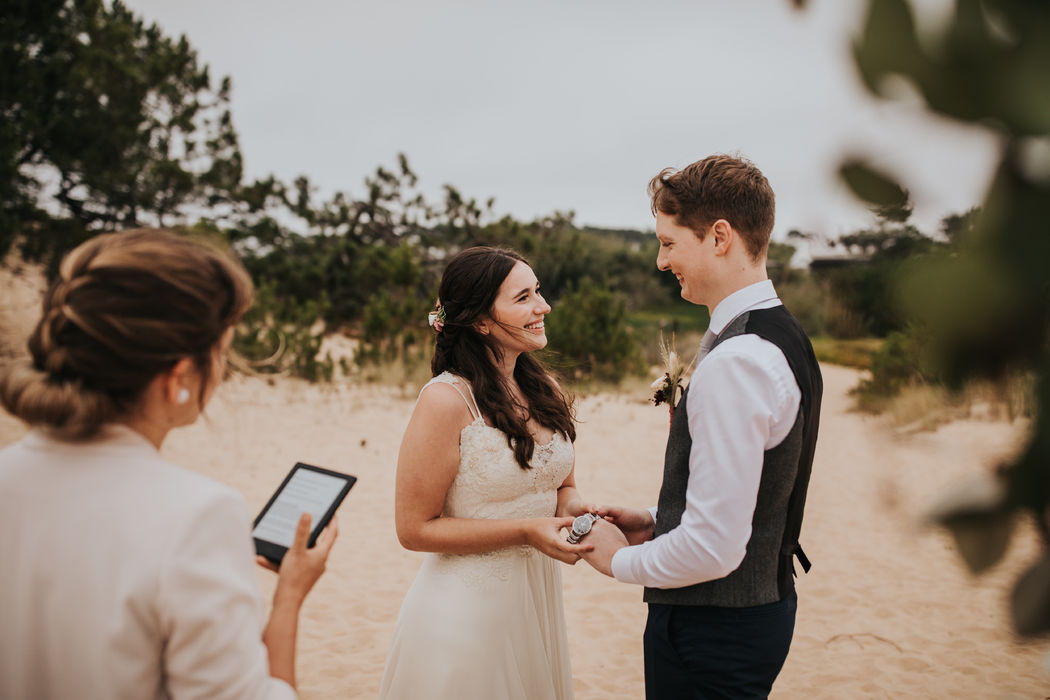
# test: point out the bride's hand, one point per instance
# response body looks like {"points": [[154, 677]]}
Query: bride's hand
{"points": [[578, 507], [545, 535]]}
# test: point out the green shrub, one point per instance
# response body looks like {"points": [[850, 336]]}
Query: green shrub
{"points": [[394, 327], [901, 362], [283, 335], [820, 310], [588, 332]]}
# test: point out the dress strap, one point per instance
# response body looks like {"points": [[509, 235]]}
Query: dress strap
{"points": [[455, 382]]}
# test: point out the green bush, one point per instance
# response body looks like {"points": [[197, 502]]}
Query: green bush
{"points": [[820, 311], [588, 332], [394, 327], [283, 335], [902, 361]]}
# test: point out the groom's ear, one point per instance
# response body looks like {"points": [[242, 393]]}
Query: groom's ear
{"points": [[723, 235]]}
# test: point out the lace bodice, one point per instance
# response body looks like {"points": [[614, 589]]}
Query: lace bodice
{"points": [[490, 483]]}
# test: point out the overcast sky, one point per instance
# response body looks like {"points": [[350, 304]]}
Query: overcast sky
{"points": [[573, 104]]}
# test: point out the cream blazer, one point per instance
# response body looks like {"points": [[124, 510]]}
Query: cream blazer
{"points": [[124, 576]]}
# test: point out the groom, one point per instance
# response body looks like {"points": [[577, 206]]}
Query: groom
{"points": [[716, 555]]}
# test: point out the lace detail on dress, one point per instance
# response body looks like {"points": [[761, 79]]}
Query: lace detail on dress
{"points": [[490, 484], [485, 568]]}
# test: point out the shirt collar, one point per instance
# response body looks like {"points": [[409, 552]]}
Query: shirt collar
{"points": [[740, 301], [111, 435]]}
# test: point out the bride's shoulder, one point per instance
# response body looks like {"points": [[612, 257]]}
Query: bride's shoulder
{"points": [[444, 392], [448, 382], [444, 378]]}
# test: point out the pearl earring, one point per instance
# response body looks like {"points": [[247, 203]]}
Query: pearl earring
{"points": [[184, 396]]}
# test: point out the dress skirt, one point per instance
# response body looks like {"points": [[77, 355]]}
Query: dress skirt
{"points": [[486, 626]]}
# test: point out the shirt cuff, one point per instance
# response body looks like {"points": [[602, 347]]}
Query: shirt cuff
{"points": [[622, 564]]}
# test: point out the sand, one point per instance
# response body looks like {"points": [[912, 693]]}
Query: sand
{"points": [[887, 611]]}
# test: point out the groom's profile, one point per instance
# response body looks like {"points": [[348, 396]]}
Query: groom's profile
{"points": [[716, 554]]}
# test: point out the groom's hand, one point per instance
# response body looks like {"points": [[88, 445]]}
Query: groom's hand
{"points": [[606, 540], [636, 524]]}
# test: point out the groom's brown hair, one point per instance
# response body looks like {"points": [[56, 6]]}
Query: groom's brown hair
{"points": [[718, 187]]}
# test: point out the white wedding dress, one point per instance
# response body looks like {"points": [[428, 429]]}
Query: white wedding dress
{"points": [[487, 626]]}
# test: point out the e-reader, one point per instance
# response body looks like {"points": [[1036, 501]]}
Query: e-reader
{"points": [[306, 489]]}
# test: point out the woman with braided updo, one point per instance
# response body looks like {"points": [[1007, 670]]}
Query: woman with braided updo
{"points": [[124, 576], [484, 485]]}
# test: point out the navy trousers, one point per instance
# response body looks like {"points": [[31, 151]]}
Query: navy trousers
{"points": [[708, 653]]}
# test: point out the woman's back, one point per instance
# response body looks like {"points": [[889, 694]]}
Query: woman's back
{"points": [[116, 566], [122, 575]]}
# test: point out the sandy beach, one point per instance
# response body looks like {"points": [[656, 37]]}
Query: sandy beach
{"points": [[887, 611]]}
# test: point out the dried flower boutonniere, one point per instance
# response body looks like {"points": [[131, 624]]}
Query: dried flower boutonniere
{"points": [[669, 387]]}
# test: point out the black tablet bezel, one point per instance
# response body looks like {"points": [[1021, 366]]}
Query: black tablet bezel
{"points": [[275, 552]]}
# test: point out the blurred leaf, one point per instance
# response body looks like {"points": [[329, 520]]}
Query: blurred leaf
{"points": [[985, 302], [1030, 475], [987, 65], [1030, 602], [1014, 228], [978, 518], [888, 44], [973, 311], [873, 187]]}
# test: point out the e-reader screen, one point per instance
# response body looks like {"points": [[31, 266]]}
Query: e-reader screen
{"points": [[306, 489]]}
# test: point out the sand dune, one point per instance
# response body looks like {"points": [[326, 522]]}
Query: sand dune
{"points": [[887, 611]]}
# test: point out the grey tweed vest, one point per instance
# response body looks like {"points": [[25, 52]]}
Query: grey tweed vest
{"points": [[766, 573]]}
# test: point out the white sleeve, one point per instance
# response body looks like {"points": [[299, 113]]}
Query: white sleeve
{"points": [[739, 402], [210, 609]]}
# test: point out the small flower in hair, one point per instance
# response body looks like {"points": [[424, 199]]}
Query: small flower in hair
{"points": [[437, 318]]}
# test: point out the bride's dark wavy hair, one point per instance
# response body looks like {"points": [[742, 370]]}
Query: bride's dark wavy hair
{"points": [[468, 289]]}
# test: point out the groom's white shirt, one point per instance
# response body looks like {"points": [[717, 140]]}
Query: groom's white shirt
{"points": [[743, 400]]}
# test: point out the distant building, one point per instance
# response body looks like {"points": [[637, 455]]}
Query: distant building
{"points": [[826, 263]]}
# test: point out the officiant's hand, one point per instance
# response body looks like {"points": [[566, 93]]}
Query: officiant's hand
{"points": [[302, 566], [606, 540], [636, 523], [545, 535]]}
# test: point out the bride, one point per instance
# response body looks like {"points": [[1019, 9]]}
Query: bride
{"points": [[485, 484]]}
